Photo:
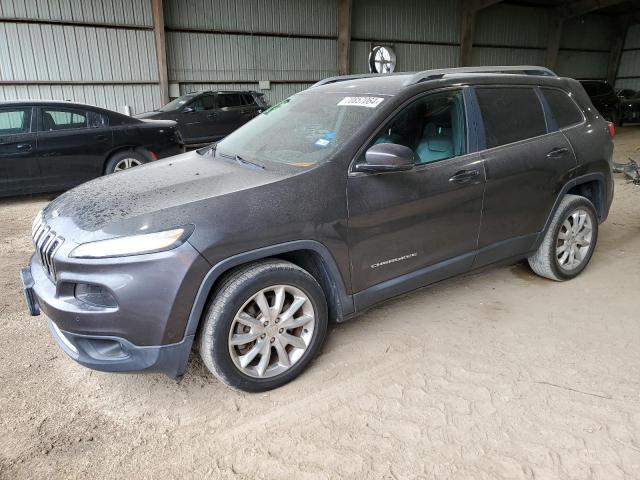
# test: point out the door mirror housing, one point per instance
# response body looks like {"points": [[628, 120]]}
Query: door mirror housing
{"points": [[387, 157]]}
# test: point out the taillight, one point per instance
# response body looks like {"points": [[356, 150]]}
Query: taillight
{"points": [[153, 155], [612, 129]]}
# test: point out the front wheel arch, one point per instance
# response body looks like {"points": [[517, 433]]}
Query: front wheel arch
{"points": [[340, 301]]}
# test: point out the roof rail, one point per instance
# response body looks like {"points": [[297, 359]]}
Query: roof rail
{"points": [[514, 70], [344, 78]]}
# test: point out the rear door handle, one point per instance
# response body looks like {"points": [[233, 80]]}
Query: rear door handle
{"points": [[558, 152], [23, 147], [465, 176]]}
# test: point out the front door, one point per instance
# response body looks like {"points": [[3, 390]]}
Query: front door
{"points": [[18, 167], [195, 122], [411, 228]]}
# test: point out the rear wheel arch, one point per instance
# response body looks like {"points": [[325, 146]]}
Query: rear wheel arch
{"points": [[593, 190]]}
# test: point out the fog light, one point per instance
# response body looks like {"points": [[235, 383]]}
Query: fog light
{"points": [[95, 295]]}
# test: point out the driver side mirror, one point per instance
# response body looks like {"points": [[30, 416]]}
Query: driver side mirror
{"points": [[386, 157]]}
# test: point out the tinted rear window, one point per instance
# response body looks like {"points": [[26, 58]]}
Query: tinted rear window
{"points": [[564, 110], [510, 114], [229, 100]]}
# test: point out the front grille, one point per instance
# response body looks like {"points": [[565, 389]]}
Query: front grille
{"points": [[46, 243]]}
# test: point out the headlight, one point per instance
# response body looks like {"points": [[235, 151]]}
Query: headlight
{"points": [[133, 245]]}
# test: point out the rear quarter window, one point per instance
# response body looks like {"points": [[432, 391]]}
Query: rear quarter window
{"points": [[564, 110], [510, 114]]}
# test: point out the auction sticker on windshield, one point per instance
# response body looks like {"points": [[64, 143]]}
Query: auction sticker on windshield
{"points": [[369, 102]]}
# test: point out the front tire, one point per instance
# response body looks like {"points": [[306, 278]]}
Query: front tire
{"points": [[266, 323], [569, 242]]}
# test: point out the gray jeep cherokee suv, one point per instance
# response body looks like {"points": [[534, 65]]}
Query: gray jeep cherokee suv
{"points": [[349, 193]]}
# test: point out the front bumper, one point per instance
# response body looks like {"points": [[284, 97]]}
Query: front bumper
{"points": [[114, 354], [145, 331]]}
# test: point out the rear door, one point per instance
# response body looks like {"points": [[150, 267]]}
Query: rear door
{"points": [[72, 145], [231, 112], [18, 167], [527, 161]]}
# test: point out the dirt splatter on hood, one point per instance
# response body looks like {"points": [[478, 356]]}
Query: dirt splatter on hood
{"points": [[155, 195]]}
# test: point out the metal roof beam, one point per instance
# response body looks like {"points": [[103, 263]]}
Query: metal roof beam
{"points": [[578, 8]]}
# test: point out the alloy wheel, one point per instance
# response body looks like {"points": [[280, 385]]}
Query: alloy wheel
{"points": [[574, 239], [126, 163], [271, 331]]}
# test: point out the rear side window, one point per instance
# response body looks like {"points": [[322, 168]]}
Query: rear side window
{"points": [[247, 99], [15, 121], [510, 114], [63, 119], [229, 100], [564, 110], [98, 120]]}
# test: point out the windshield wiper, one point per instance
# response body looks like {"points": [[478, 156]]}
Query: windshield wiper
{"points": [[244, 161], [239, 159], [209, 149]]}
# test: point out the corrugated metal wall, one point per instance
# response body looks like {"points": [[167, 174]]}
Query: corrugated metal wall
{"points": [[510, 34], [629, 70], [225, 44], [101, 65], [423, 33], [234, 44]]}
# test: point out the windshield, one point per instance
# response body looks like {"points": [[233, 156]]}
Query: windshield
{"points": [[177, 103], [302, 131]]}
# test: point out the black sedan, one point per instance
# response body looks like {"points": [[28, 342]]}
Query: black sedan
{"points": [[630, 109], [48, 146]]}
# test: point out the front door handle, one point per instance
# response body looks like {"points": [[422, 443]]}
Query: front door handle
{"points": [[558, 152], [23, 147], [101, 138], [465, 176]]}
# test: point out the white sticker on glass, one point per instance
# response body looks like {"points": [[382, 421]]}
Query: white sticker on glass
{"points": [[369, 102]]}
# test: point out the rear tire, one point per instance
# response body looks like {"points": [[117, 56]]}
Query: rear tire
{"points": [[569, 241], [123, 161], [266, 323]]}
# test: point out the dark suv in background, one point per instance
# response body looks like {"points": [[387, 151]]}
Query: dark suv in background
{"points": [[204, 117], [354, 191], [604, 98]]}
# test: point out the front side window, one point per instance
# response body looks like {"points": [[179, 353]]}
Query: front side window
{"points": [[178, 103], [510, 114], [434, 127], [15, 121], [301, 131], [67, 119], [564, 109]]}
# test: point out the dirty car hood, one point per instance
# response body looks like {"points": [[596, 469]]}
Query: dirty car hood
{"points": [[162, 194]]}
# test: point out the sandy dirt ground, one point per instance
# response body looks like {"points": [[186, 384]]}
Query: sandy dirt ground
{"points": [[496, 375]]}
